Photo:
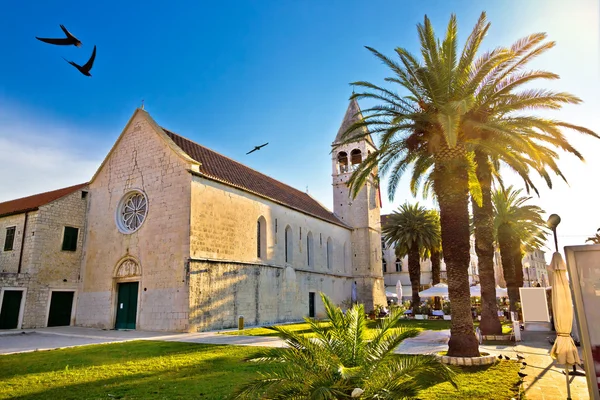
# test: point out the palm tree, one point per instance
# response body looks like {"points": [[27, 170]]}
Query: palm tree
{"points": [[414, 231], [518, 227], [341, 362], [594, 239], [462, 115]]}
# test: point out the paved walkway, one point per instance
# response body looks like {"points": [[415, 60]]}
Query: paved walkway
{"points": [[544, 380]]}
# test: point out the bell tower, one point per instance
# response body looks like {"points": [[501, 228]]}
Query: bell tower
{"points": [[362, 213]]}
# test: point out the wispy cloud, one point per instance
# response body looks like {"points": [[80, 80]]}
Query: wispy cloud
{"points": [[38, 155]]}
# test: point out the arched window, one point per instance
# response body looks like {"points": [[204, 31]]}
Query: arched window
{"points": [[261, 238], [355, 158], [384, 264], [329, 253], [398, 265], [342, 162], [310, 250], [289, 244]]}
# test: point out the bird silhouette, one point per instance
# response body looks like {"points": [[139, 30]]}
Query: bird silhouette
{"points": [[68, 41], [500, 357], [84, 69], [520, 357], [522, 375], [506, 357], [257, 148]]}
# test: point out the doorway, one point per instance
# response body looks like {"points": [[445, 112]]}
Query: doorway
{"points": [[11, 307], [61, 307], [126, 305], [311, 304]]}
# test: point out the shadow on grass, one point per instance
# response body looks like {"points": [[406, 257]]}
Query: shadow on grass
{"points": [[210, 372], [39, 362]]}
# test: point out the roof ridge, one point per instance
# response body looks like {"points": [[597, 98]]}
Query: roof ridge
{"points": [[35, 201], [47, 192], [245, 166], [224, 169]]}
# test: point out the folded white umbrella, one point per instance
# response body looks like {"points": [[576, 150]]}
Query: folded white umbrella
{"points": [[399, 289], [438, 290], [563, 350]]}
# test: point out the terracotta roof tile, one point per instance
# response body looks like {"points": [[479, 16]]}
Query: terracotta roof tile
{"points": [[228, 171], [32, 203]]}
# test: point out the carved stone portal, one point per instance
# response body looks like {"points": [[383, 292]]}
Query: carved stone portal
{"points": [[128, 268]]}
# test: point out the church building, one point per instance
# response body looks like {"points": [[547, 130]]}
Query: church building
{"points": [[169, 235]]}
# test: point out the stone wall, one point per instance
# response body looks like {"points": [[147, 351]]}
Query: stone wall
{"points": [[227, 278], [45, 266], [143, 159], [9, 260], [263, 294]]}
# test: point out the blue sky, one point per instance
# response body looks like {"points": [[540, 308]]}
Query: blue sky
{"points": [[231, 75]]}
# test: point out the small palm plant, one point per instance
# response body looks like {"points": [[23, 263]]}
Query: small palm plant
{"points": [[594, 239], [343, 361]]}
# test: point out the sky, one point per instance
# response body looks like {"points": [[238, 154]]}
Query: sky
{"points": [[231, 75]]}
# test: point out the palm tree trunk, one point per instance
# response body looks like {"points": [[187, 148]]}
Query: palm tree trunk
{"points": [[483, 218], [414, 272], [435, 274], [518, 263], [508, 265], [452, 192]]}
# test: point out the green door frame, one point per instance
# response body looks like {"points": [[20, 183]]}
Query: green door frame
{"points": [[126, 307]]}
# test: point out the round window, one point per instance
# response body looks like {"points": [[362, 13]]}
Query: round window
{"points": [[132, 211]]}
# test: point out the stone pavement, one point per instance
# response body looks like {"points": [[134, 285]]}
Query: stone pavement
{"points": [[544, 380]]}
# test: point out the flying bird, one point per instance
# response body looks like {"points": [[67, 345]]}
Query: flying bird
{"points": [[68, 41], [257, 148], [522, 375], [84, 69]]}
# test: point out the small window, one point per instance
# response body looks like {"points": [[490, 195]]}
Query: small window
{"points": [[288, 244], [9, 241], [343, 162], [261, 238], [384, 263], [70, 239], [309, 249], [84, 194], [329, 253], [398, 265], [355, 158], [258, 239]]}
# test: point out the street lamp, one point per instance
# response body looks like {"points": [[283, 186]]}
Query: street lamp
{"points": [[553, 222]]}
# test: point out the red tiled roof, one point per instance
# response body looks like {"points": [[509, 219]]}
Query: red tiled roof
{"points": [[32, 203], [225, 170]]}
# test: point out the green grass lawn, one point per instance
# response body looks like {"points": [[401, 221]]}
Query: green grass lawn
{"points": [[169, 370], [421, 325]]}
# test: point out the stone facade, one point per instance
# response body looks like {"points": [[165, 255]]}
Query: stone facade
{"points": [[44, 266], [194, 252], [142, 159]]}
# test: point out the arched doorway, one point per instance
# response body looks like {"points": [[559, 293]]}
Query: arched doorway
{"points": [[127, 276]]}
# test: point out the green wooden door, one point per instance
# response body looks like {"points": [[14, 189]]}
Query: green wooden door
{"points": [[9, 313], [127, 305], [61, 305]]}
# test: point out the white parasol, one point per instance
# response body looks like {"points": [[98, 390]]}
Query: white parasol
{"points": [[476, 291], [438, 290]]}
